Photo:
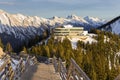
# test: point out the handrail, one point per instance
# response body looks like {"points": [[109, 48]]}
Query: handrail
{"points": [[34, 60], [3, 65], [62, 70], [74, 72], [79, 70], [55, 63], [7, 71]]}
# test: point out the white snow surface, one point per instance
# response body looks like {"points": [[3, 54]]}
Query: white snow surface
{"points": [[94, 21], [88, 40], [67, 26], [74, 42], [116, 27]]}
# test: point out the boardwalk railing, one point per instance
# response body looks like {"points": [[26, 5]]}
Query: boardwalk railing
{"points": [[55, 63], [74, 72], [34, 60], [7, 72], [19, 69], [62, 70]]}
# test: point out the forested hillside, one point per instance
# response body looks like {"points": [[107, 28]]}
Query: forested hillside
{"points": [[100, 60]]}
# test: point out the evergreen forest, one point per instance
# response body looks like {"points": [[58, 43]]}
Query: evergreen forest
{"points": [[99, 60]]}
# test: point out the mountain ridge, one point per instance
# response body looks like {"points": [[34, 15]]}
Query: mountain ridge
{"points": [[22, 20], [19, 29]]}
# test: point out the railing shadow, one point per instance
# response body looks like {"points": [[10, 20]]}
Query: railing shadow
{"points": [[29, 73]]}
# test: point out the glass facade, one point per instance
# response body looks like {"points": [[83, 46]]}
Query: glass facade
{"points": [[75, 31]]}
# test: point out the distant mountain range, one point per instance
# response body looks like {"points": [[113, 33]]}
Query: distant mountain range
{"points": [[18, 28]]}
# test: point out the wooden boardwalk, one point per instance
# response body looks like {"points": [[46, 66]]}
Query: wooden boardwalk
{"points": [[41, 71]]}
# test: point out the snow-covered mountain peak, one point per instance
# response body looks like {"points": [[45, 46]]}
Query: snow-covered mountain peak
{"points": [[18, 20], [54, 18], [73, 16], [20, 15], [25, 21], [95, 19]]}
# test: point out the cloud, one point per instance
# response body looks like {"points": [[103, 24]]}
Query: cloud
{"points": [[70, 2], [58, 1], [7, 3]]}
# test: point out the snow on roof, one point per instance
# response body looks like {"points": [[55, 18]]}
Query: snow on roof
{"points": [[67, 26]]}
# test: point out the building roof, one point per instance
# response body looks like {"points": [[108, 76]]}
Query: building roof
{"points": [[70, 28]]}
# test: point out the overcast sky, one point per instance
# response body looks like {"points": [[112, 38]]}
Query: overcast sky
{"points": [[106, 9]]}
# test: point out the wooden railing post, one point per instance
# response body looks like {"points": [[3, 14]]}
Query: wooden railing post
{"points": [[74, 71], [69, 72], [34, 60], [27, 62], [63, 72], [79, 71], [19, 69], [6, 68], [7, 72], [55, 63]]}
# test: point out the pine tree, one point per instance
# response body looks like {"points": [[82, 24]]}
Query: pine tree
{"points": [[25, 50], [46, 51], [9, 48], [1, 44]]}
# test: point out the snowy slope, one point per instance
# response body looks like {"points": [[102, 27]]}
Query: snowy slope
{"points": [[20, 26], [89, 39], [112, 25], [20, 20], [116, 27], [95, 22], [18, 29]]}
